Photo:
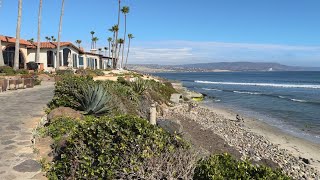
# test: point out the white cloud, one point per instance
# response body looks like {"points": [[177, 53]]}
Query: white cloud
{"points": [[185, 52]]}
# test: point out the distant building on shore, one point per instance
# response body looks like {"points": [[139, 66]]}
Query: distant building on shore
{"points": [[71, 56]]}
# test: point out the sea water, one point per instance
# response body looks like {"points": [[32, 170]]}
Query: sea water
{"points": [[287, 100]]}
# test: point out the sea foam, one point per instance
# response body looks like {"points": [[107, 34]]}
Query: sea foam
{"points": [[309, 86]]}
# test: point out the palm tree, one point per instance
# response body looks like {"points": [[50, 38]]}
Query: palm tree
{"points": [[59, 34], [92, 44], [109, 42], [78, 42], [120, 42], [31, 40], [47, 38], [39, 28], [118, 25], [130, 36], [1, 55], [100, 49], [94, 40], [125, 10], [54, 40], [115, 30], [17, 46]]}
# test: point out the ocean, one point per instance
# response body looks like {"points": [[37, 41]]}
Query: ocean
{"points": [[287, 100]]}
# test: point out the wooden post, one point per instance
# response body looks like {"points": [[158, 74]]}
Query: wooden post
{"points": [[153, 114]]}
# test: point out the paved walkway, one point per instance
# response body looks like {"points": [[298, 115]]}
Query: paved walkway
{"points": [[17, 109]]}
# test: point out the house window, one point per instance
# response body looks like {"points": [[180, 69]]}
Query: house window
{"points": [[75, 60], [88, 62], [50, 61], [92, 63], [80, 61]]}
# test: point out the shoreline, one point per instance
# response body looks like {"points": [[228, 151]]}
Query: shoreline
{"points": [[296, 146], [256, 146]]}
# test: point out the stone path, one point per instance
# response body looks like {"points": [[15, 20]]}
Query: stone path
{"points": [[17, 109]]}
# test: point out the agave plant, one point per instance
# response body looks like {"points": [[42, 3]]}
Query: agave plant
{"points": [[140, 85], [94, 100]]}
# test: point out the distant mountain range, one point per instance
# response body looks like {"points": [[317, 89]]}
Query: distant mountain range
{"points": [[219, 67]]}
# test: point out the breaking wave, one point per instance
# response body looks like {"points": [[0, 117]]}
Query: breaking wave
{"points": [[308, 86], [245, 92], [263, 94], [209, 89]]}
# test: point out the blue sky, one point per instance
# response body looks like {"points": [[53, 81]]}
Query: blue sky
{"points": [[186, 31]]}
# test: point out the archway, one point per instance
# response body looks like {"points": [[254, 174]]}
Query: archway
{"points": [[66, 56], [8, 57]]}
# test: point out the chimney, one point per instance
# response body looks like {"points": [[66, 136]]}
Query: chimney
{"points": [[93, 51]]}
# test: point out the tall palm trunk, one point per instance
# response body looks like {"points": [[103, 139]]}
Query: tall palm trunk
{"points": [[113, 52], [59, 34], [127, 53], [119, 55], [109, 51], [116, 40], [124, 38], [1, 55], [39, 28], [17, 47]]}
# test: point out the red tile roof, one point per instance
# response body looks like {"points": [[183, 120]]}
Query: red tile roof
{"points": [[53, 45], [13, 40], [45, 45]]}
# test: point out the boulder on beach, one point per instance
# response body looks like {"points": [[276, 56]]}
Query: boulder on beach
{"points": [[176, 98], [171, 126]]}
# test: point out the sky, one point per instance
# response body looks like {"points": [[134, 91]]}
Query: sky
{"points": [[184, 31]]}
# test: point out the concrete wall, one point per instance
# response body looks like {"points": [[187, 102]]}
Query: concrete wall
{"points": [[86, 65]]}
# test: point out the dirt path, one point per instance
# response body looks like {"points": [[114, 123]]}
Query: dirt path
{"points": [[19, 111]]}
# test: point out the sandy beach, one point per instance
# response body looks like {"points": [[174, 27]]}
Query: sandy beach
{"points": [[251, 139]]}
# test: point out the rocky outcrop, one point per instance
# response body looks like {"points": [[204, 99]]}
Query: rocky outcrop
{"points": [[64, 112], [171, 126]]}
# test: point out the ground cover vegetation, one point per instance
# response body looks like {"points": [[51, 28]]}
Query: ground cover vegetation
{"points": [[115, 141]]}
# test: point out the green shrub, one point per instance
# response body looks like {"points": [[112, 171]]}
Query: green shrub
{"points": [[121, 80], [139, 85], [125, 100], [160, 92], [90, 72], [100, 148], [65, 72], [98, 72], [94, 99], [60, 127], [66, 90], [22, 71], [218, 167], [7, 70]]}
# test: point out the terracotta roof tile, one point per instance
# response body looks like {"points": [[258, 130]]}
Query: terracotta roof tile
{"points": [[13, 40], [53, 45]]}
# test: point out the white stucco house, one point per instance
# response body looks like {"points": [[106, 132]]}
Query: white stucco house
{"points": [[71, 56]]}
